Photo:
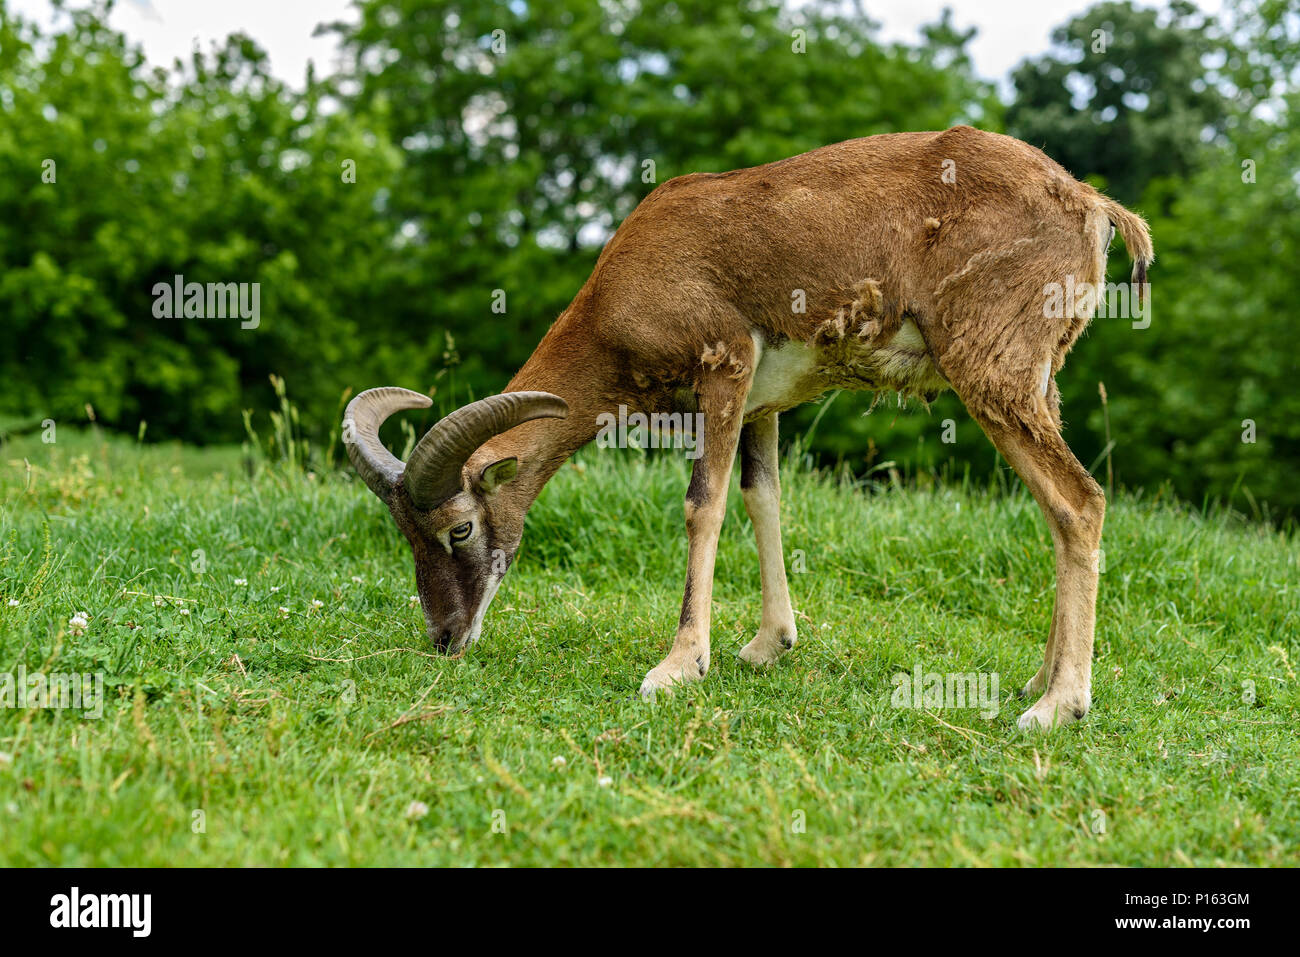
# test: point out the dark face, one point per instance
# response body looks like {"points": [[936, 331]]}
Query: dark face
{"points": [[462, 550]]}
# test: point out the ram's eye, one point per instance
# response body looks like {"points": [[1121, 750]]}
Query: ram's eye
{"points": [[462, 532]]}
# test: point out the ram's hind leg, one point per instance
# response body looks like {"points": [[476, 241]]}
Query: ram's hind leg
{"points": [[1074, 506], [761, 484], [1000, 336]]}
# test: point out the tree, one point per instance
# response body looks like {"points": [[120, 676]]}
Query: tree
{"points": [[1129, 94], [531, 130], [115, 179]]}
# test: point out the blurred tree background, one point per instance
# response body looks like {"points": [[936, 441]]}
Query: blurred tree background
{"points": [[465, 150]]}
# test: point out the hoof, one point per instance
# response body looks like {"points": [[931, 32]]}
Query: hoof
{"points": [[1050, 712], [767, 646], [672, 672]]}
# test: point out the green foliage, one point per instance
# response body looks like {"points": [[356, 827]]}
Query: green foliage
{"points": [[1129, 94], [219, 174], [530, 131], [305, 734], [474, 171], [465, 152], [1193, 118], [1206, 396]]}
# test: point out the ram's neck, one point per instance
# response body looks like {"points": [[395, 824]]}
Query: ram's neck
{"points": [[566, 363]]}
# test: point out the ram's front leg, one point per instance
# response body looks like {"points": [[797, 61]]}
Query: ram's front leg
{"points": [[724, 386], [761, 485]]}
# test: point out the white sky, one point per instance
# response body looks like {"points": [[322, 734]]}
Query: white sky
{"points": [[1009, 30]]}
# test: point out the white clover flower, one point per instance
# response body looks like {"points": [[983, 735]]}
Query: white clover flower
{"points": [[274, 589], [241, 581], [416, 810], [185, 611], [558, 761], [604, 781], [414, 600], [317, 603], [284, 612], [159, 602], [356, 580], [78, 623], [13, 602]]}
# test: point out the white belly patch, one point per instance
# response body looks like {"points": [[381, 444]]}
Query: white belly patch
{"points": [[797, 372]]}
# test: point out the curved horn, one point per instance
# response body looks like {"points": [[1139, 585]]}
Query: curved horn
{"points": [[379, 468], [433, 470]]}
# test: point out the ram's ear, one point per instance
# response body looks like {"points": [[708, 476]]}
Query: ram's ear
{"points": [[497, 474]]}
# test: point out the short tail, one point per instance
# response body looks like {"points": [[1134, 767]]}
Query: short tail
{"points": [[1137, 239]]}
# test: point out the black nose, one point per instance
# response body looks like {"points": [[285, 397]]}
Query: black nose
{"points": [[444, 640]]}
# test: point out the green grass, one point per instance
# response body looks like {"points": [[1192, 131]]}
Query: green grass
{"points": [[304, 736]]}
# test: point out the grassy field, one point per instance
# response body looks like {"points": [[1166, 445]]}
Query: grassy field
{"points": [[271, 699]]}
